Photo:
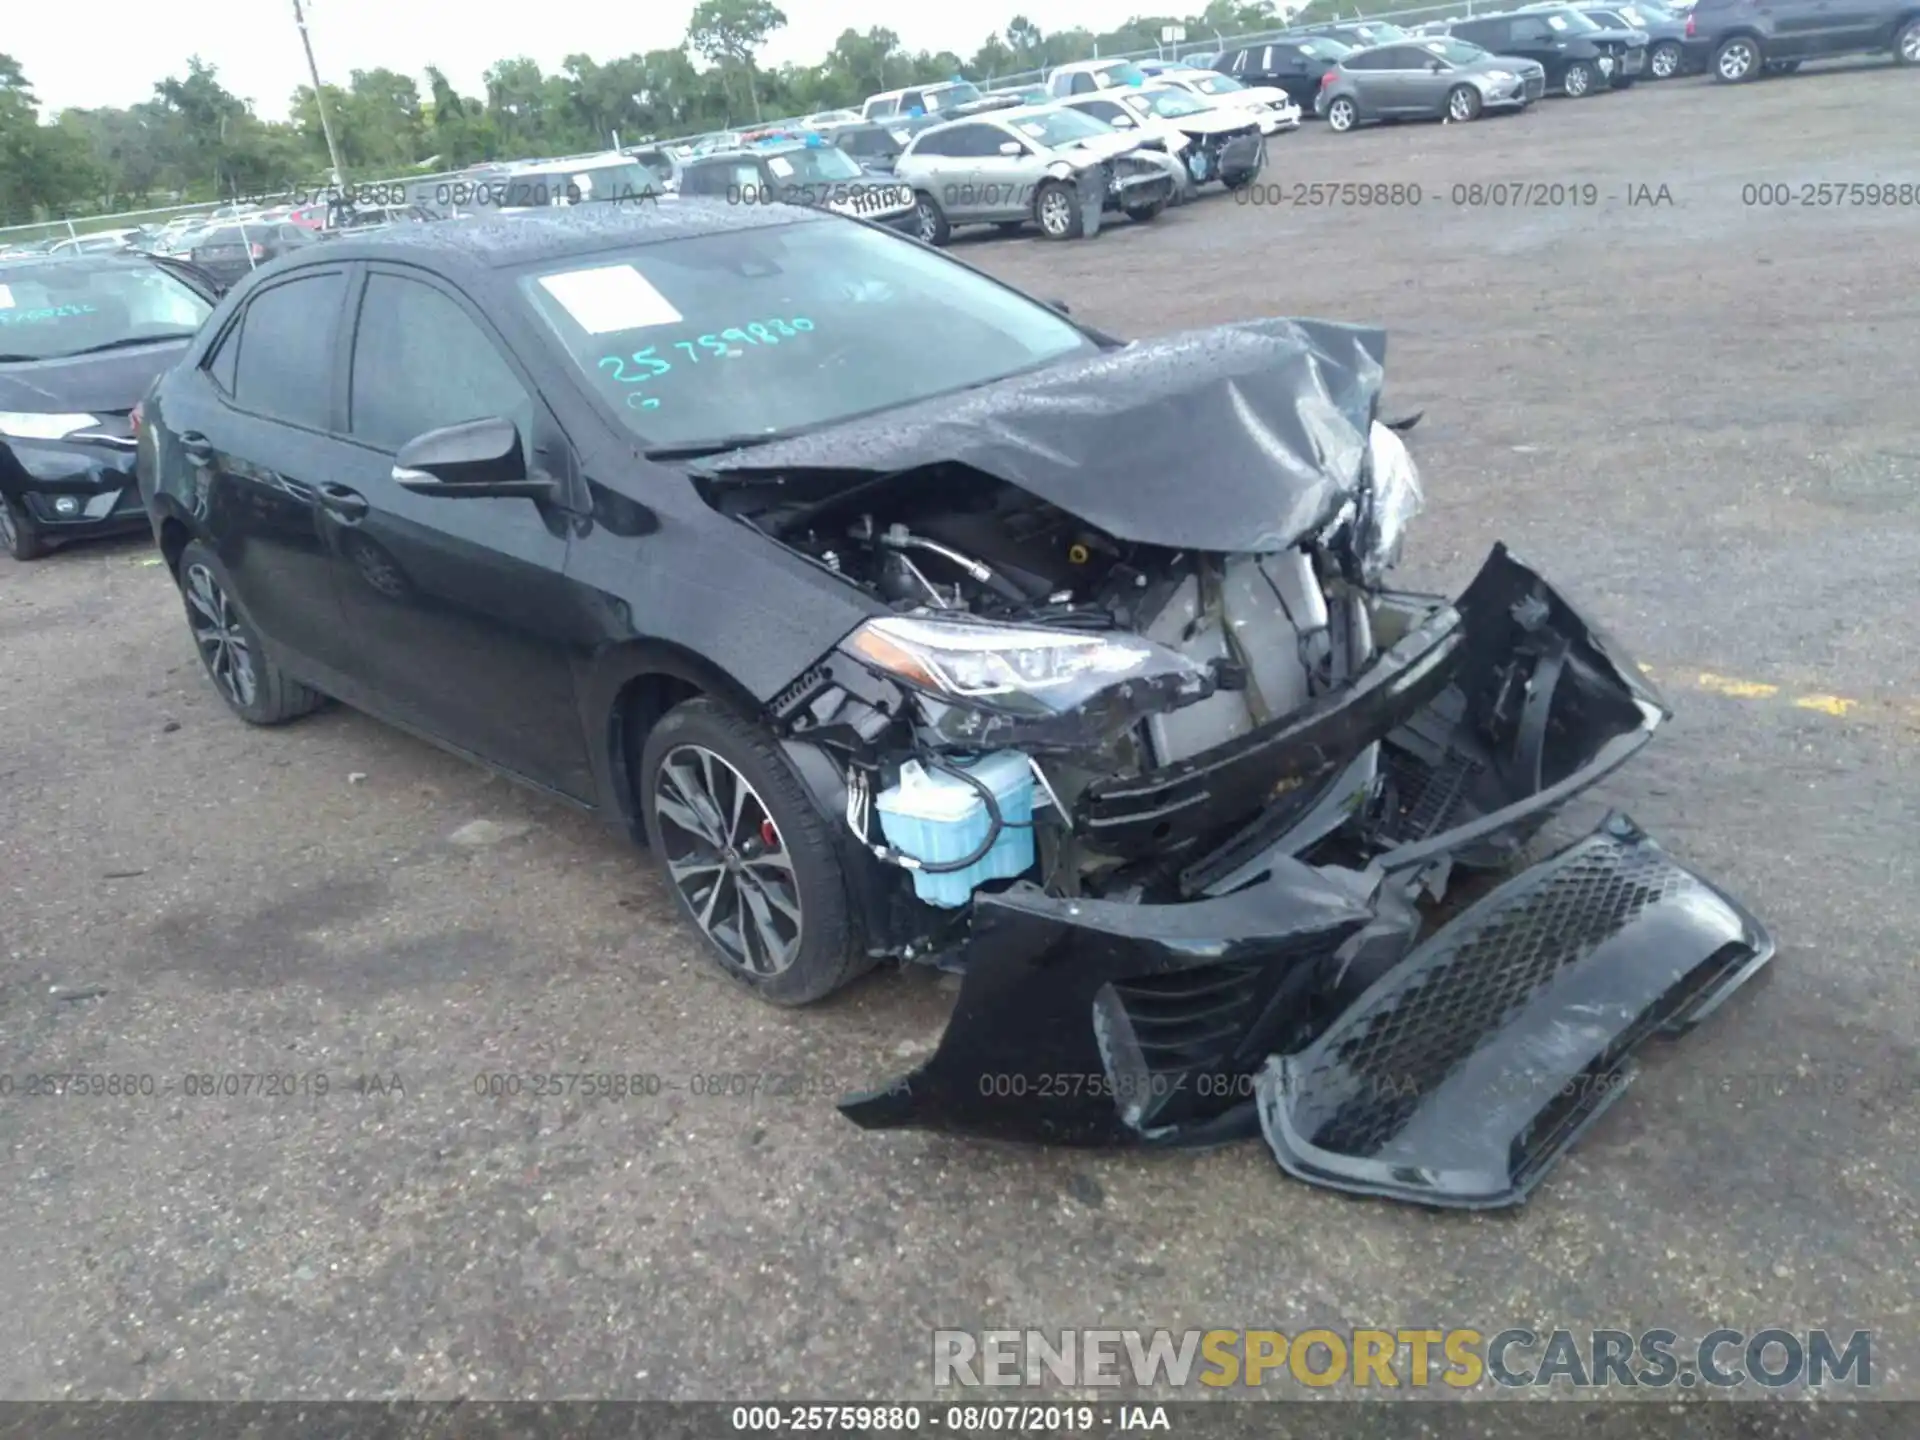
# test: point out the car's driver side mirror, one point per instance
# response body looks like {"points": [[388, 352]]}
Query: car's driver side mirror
{"points": [[473, 460], [1435, 66], [1012, 147]]}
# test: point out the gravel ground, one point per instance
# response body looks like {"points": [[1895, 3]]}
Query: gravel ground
{"points": [[1696, 412]]}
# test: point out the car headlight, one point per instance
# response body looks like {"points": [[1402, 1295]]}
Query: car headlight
{"points": [[30, 425], [1026, 670], [1502, 76], [1393, 499]]}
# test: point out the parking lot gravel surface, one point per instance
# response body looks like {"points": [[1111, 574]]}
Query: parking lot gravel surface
{"points": [[1698, 413]]}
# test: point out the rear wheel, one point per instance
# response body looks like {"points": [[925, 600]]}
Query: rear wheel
{"points": [[1906, 45], [1342, 115], [19, 536], [1663, 61], [1463, 104], [1737, 60], [748, 855], [1058, 209], [254, 687], [1578, 81], [930, 221]]}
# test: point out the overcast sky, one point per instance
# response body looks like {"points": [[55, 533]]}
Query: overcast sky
{"points": [[110, 52]]}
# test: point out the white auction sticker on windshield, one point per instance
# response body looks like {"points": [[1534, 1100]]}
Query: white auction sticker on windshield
{"points": [[6, 298], [780, 165], [611, 298]]}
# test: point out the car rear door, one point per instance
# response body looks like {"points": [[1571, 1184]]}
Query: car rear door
{"points": [[254, 422], [458, 608]]}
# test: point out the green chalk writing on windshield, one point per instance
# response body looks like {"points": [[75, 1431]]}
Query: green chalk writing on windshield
{"points": [[40, 317]]}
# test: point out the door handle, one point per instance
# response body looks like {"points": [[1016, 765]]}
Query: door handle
{"points": [[196, 447], [339, 500]]}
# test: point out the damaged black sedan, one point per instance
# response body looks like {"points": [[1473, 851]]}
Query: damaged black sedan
{"points": [[894, 612]]}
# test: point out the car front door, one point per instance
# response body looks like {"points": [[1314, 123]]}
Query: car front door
{"points": [[1803, 28], [1531, 38], [253, 421], [1289, 71], [1394, 78], [457, 606]]}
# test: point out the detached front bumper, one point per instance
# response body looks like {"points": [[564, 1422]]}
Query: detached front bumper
{"points": [[1236, 1009]]}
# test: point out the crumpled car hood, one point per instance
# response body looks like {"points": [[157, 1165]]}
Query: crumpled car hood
{"points": [[1243, 438]]}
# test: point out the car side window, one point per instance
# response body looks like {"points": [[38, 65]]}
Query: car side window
{"points": [[288, 371], [1525, 32], [420, 362], [1367, 60], [704, 180], [221, 364], [933, 145], [1107, 110], [975, 141], [1083, 84]]}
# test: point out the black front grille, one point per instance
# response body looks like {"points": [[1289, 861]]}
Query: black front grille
{"points": [[1405, 1047], [1187, 1018], [1425, 799]]}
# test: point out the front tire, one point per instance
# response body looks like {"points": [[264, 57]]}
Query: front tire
{"points": [[1665, 59], [1342, 115], [1059, 212], [1141, 214], [1463, 104], [749, 857], [19, 536], [930, 221], [1578, 81], [1737, 60], [254, 687], [1906, 45]]}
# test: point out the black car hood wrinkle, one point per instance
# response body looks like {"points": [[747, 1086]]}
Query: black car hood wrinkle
{"points": [[1236, 439], [109, 380]]}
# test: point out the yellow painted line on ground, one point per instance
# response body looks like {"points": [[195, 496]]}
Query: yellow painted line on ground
{"points": [[1838, 707], [1827, 704], [1738, 689]]}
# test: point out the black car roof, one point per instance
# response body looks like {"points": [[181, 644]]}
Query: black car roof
{"points": [[489, 242]]}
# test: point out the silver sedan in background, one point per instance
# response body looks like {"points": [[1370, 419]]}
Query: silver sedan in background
{"points": [[1426, 79]]}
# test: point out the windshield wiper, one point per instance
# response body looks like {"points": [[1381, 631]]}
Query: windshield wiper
{"points": [[700, 449], [126, 340]]}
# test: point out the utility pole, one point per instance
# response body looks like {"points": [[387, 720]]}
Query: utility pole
{"points": [[319, 97]]}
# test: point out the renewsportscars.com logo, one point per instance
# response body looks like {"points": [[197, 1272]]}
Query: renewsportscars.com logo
{"points": [[1459, 1359]]}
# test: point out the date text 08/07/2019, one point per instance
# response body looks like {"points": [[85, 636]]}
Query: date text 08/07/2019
{"points": [[1465, 194], [952, 1419]]}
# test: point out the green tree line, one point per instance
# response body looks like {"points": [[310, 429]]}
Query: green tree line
{"points": [[194, 139]]}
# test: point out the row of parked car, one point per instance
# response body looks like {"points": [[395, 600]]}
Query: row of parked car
{"points": [[230, 240]]}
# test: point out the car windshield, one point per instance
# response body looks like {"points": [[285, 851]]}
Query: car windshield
{"points": [[1454, 52], [946, 97], [814, 163], [1168, 104], [69, 306], [1216, 84], [1121, 72], [561, 185], [1057, 129], [1572, 22], [1382, 34], [778, 328], [1325, 49]]}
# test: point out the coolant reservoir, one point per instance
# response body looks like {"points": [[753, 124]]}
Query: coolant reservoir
{"points": [[939, 818]]}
